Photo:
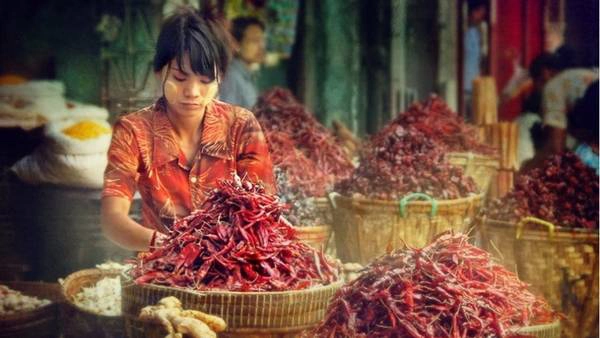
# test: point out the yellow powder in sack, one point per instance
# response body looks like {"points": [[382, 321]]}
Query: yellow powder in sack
{"points": [[86, 129]]}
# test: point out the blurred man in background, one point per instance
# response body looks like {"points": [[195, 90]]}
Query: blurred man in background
{"points": [[473, 51], [239, 85]]}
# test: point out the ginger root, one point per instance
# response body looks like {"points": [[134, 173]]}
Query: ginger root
{"points": [[181, 323]]}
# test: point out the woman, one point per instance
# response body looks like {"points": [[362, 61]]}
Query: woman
{"points": [[176, 150]]}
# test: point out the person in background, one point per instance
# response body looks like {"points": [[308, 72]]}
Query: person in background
{"points": [[239, 84], [554, 43], [472, 50], [583, 125], [560, 93], [521, 83], [175, 151], [560, 90], [531, 132]]}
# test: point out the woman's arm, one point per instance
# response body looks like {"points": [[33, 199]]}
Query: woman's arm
{"points": [[122, 229], [120, 184], [252, 155]]}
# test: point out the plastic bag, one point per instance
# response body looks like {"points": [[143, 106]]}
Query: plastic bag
{"points": [[64, 160]]}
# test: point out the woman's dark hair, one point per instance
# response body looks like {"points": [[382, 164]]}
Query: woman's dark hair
{"points": [[240, 24], [200, 35]]}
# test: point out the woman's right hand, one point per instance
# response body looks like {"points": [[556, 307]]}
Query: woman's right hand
{"points": [[158, 239]]}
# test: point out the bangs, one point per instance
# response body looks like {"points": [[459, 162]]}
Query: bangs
{"points": [[202, 54], [201, 39]]}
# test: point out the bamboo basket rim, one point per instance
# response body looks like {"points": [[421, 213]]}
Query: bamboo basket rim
{"points": [[128, 281], [490, 160], [312, 228], [84, 273], [474, 197], [38, 314], [536, 328], [559, 231]]}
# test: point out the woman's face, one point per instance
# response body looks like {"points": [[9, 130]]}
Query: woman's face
{"points": [[187, 93]]}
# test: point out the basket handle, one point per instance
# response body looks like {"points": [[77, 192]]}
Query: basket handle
{"points": [[404, 201], [534, 220], [331, 199], [470, 158]]}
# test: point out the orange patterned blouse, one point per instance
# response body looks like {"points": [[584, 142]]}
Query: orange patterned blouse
{"points": [[144, 155]]}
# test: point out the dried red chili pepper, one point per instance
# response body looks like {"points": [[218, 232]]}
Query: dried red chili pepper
{"points": [[236, 241], [446, 289], [563, 191]]}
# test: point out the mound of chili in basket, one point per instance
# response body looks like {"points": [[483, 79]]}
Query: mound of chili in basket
{"points": [[447, 289], [434, 118], [236, 241], [563, 191], [401, 160]]}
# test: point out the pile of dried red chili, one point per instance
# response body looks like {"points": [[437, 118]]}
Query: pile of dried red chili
{"points": [[401, 160], [236, 241], [446, 289], [303, 175], [439, 123], [563, 191], [282, 116]]}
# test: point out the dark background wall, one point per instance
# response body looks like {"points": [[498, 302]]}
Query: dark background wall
{"points": [[54, 39], [582, 30]]}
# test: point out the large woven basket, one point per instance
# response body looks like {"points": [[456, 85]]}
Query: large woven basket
{"points": [[481, 168], [84, 322], [41, 322], [560, 263], [325, 212], [316, 236], [323, 209], [246, 313], [365, 228]]}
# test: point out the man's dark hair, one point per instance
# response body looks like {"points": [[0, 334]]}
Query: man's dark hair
{"points": [[545, 61], [199, 34], [240, 24], [475, 4]]}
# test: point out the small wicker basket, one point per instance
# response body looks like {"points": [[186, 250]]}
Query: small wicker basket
{"points": [[481, 168], [85, 322], [560, 263], [365, 228], [246, 313], [41, 322]]}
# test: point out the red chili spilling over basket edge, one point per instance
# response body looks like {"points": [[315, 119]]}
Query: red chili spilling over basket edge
{"points": [[446, 289], [236, 241]]}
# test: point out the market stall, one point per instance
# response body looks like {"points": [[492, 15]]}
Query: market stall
{"points": [[288, 169]]}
